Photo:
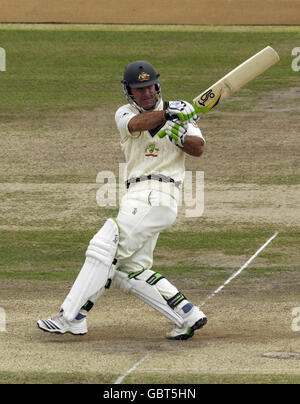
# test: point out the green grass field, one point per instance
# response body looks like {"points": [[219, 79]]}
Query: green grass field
{"points": [[62, 70], [61, 79]]}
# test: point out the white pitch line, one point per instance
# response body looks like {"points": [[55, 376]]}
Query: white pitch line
{"points": [[239, 271], [122, 377]]}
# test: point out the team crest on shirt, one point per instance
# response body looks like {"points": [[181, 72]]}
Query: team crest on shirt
{"points": [[143, 77], [151, 151]]}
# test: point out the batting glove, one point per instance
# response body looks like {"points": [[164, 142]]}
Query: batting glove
{"points": [[182, 110], [176, 132]]}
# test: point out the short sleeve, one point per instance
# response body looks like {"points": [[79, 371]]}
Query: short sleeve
{"points": [[122, 118]]}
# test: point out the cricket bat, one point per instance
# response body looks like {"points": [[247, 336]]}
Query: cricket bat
{"points": [[234, 80]]}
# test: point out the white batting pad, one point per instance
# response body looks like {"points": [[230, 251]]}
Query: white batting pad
{"points": [[94, 273], [148, 293]]}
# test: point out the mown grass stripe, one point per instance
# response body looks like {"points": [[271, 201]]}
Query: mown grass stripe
{"points": [[45, 74]]}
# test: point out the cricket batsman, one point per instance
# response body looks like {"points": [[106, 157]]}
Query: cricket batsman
{"points": [[121, 252]]}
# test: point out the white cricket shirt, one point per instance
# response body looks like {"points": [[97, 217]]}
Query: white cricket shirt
{"points": [[148, 154]]}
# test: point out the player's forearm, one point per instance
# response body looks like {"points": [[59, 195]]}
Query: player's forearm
{"points": [[146, 121], [193, 145]]}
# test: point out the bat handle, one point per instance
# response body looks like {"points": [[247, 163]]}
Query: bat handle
{"points": [[197, 109]]}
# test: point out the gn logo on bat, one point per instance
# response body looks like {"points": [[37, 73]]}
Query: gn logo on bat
{"points": [[206, 96], [2, 60]]}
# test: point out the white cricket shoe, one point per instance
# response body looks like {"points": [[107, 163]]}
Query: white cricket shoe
{"points": [[57, 324], [193, 320]]}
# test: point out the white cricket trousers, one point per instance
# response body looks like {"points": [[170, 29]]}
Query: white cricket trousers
{"points": [[142, 216]]}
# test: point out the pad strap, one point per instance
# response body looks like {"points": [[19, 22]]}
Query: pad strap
{"points": [[87, 306], [154, 278], [175, 300]]}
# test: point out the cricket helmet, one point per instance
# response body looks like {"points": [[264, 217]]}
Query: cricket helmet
{"points": [[140, 74]]}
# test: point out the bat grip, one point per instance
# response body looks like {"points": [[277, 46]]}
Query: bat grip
{"points": [[197, 109]]}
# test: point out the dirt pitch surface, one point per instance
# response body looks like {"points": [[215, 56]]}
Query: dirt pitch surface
{"points": [[244, 324]]}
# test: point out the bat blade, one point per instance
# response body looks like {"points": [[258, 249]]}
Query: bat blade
{"points": [[236, 79]]}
